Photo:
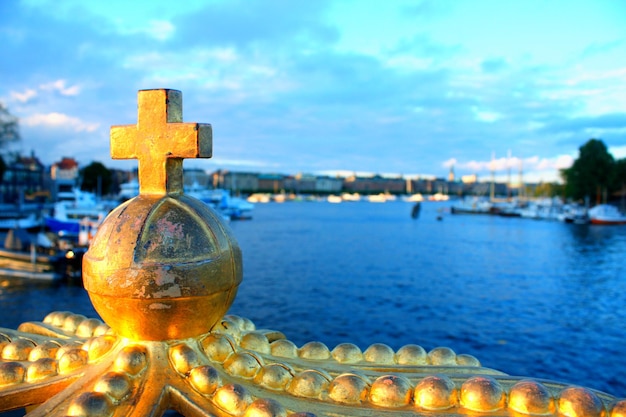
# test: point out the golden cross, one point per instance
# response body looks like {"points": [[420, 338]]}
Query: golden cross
{"points": [[160, 141]]}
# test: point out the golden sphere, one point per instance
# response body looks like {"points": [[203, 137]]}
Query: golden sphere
{"points": [[435, 393], [579, 402], [162, 259], [483, 394], [391, 391], [348, 389], [531, 397]]}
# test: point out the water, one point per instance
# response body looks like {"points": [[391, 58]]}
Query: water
{"points": [[529, 298]]}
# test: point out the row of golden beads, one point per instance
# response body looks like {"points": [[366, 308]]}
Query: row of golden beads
{"points": [[30, 359], [244, 332]]}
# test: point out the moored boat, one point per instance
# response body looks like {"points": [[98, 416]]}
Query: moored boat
{"points": [[606, 214], [35, 258]]}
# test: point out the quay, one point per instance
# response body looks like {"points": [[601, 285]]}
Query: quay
{"points": [[162, 272]]}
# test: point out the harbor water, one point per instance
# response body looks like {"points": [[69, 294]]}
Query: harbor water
{"points": [[526, 297]]}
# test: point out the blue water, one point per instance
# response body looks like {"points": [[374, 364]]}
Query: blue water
{"points": [[526, 297]]}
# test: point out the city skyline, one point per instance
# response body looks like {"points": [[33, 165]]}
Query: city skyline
{"points": [[327, 87]]}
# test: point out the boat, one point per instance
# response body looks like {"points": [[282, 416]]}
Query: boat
{"points": [[473, 205], [606, 214], [573, 213], [232, 208], [35, 258], [76, 215], [26, 222]]}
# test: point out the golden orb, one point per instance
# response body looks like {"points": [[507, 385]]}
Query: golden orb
{"points": [[162, 267]]}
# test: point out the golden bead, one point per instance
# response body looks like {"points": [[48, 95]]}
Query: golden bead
{"points": [[265, 408], [379, 353], [87, 327], [17, 350], [243, 365], [71, 322], [41, 369], [228, 325], [242, 323], [100, 345], [183, 358], [274, 376], [232, 398], [619, 409], [102, 329], [435, 393], [64, 349], [48, 349], [442, 356], [530, 397], [284, 348], [72, 360], [56, 318], [347, 353], [348, 389], [92, 404], [390, 391], [314, 351], [132, 359], [255, 341], [467, 360], [204, 379], [482, 393], [218, 347], [115, 384], [411, 355], [309, 384], [11, 373], [579, 402]]}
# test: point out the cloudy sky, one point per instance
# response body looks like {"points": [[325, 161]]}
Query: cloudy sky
{"points": [[391, 87]]}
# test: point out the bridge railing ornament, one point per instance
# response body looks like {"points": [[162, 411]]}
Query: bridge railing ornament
{"points": [[162, 272]]}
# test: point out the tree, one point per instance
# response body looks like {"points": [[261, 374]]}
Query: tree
{"points": [[9, 128], [96, 178], [592, 174]]}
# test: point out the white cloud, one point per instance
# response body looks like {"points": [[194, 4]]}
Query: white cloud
{"points": [[618, 152], [485, 115], [60, 87], [25, 96], [449, 163], [59, 120], [160, 29]]}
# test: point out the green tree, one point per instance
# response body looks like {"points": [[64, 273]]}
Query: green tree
{"points": [[96, 178], [9, 134], [592, 174], [9, 128]]}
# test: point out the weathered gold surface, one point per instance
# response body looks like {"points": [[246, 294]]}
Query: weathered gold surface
{"points": [[163, 265], [162, 272]]}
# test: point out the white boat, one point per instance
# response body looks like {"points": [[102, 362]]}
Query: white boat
{"points": [[77, 215], [606, 214], [472, 205], [30, 222], [573, 213], [233, 208], [334, 199]]}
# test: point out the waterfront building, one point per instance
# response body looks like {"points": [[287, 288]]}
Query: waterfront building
{"points": [[374, 185], [63, 177], [23, 178]]}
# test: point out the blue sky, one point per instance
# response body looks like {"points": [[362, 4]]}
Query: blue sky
{"points": [[389, 87]]}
